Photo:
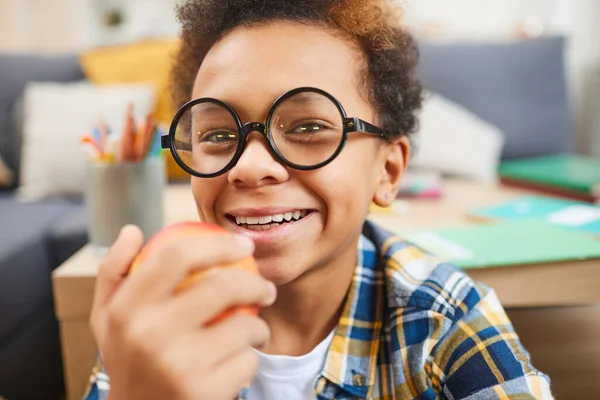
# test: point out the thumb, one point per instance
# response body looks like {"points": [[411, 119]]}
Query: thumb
{"points": [[115, 266]]}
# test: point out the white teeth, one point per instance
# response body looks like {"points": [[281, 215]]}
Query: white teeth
{"points": [[264, 220]]}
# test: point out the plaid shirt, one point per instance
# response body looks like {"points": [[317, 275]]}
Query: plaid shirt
{"points": [[415, 327]]}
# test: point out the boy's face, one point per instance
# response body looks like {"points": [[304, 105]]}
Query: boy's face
{"points": [[249, 68]]}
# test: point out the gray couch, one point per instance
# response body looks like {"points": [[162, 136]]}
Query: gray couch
{"points": [[520, 87], [34, 239]]}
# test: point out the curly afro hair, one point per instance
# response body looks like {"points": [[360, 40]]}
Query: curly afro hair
{"points": [[389, 78]]}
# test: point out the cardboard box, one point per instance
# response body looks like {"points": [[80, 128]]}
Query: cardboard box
{"points": [[73, 296]]}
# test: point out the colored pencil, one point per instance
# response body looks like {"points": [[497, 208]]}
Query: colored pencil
{"points": [[128, 135], [113, 153], [91, 148], [103, 134], [145, 137], [155, 148], [98, 138]]}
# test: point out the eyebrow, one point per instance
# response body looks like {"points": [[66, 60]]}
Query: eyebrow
{"points": [[209, 107], [301, 98], [306, 97]]}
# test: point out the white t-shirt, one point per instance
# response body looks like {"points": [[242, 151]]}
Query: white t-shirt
{"points": [[286, 377]]}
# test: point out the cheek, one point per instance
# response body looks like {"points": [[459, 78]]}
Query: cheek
{"points": [[357, 165], [205, 192], [347, 184]]}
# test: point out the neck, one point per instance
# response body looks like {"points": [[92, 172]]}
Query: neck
{"points": [[308, 308]]}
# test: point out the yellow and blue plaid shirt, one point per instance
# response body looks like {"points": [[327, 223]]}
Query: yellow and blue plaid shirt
{"points": [[415, 327]]}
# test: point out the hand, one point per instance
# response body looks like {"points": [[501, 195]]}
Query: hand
{"points": [[155, 344]]}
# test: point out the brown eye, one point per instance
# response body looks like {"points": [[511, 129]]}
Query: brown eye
{"points": [[218, 137], [310, 127]]}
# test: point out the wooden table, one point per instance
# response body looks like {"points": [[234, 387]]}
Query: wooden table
{"points": [[556, 311]]}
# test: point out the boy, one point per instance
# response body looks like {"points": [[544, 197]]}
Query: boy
{"points": [[300, 119]]}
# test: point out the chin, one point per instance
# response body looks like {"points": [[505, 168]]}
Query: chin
{"points": [[280, 271]]}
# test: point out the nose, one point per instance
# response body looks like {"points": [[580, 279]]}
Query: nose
{"points": [[256, 166]]}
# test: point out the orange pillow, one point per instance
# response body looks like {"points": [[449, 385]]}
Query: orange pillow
{"points": [[148, 61]]}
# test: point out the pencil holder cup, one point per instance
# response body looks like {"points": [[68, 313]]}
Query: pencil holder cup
{"points": [[121, 194]]}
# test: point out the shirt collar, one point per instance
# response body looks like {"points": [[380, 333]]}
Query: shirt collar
{"points": [[352, 358]]}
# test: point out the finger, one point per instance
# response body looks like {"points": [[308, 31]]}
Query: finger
{"points": [[239, 333], [236, 372], [187, 357], [172, 261], [219, 291], [178, 316], [113, 269]]}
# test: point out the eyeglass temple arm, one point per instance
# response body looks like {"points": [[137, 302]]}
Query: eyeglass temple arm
{"points": [[358, 125], [165, 141]]}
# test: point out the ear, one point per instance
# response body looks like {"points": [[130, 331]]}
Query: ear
{"points": [[395, 154]]}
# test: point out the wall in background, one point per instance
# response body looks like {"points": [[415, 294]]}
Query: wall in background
{"points": [[503, 19], [142, 19], [44, 25], [72, 25], [472, 19]]}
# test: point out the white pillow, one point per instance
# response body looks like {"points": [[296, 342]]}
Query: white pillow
{"points": [[57, 115], [454, 141]]}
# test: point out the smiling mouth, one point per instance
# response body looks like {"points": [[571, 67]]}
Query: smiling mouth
{"points": [[265, 222]]}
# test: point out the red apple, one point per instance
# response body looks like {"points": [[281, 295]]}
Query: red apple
{"points": [[196, 228]]}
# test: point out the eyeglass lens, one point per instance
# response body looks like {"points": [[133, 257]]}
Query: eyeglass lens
{"points": [[306, 129]]}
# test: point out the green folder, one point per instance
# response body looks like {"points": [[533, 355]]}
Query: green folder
{"points": [[566, 213], [507, 243], [572, 172]]}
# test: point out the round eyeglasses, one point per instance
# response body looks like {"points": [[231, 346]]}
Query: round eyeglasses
{"points": [[306, 128]]}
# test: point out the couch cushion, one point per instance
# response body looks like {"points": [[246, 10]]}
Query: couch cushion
{"points": [[520, 87], [22, 69], [68, 234], [30, 359], [26, 258]]}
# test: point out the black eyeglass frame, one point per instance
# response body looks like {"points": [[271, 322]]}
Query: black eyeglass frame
{"points": [[350, 124]]}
